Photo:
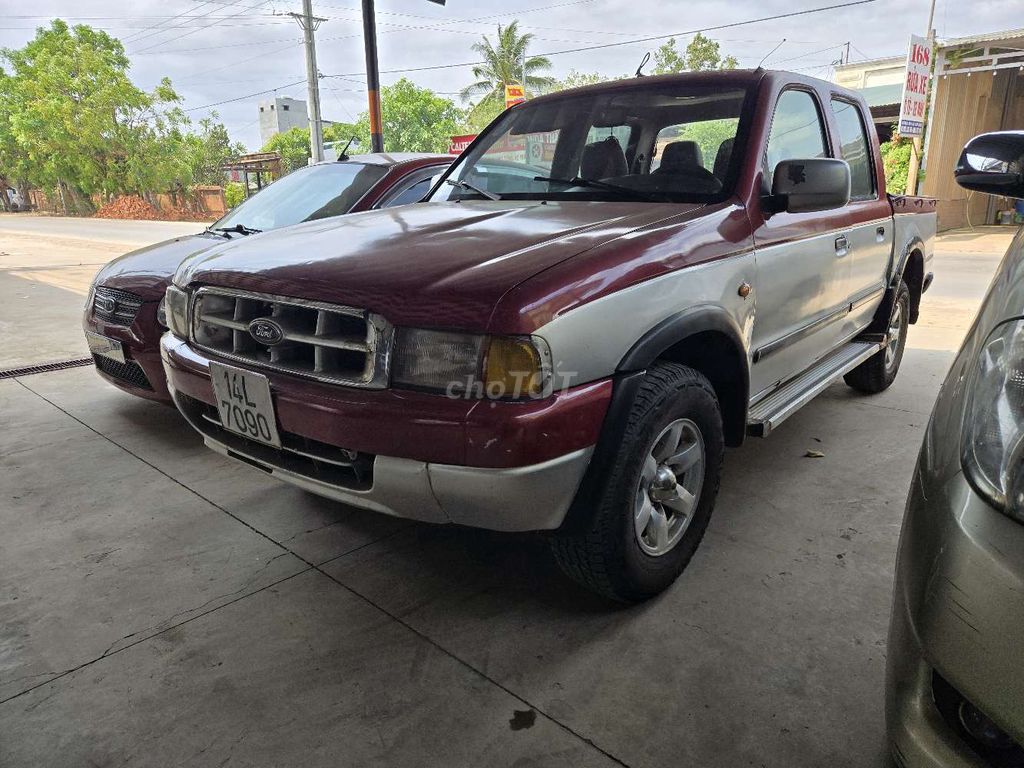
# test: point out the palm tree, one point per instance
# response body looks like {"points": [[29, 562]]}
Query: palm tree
{"points": [[503, 64]]}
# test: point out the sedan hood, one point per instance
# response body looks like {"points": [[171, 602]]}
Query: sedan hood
{"points": [[148, 271], [433, 264]]}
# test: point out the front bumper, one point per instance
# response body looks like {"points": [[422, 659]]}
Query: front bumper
{"points": [[426, 450], [959, 612], [141, 344]]}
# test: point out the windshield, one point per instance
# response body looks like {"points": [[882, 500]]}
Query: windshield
{"points": [[317, 192], [663, 142]]}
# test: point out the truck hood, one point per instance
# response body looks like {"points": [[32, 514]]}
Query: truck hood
{"points": [[432, 264], [148, 271]]}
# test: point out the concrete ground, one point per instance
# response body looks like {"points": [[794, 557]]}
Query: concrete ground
{"points": [[160, 605]]}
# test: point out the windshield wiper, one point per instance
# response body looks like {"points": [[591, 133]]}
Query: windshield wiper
{"points": [[239, 228], [472, 188], [581, 182]]}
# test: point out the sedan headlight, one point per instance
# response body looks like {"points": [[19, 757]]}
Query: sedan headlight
{"points": [[471, 365], [176, 311], [993, 433]]}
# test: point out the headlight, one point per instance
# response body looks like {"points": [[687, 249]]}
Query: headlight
{"points": [[993, 433], [175, 306], [499, 367]]}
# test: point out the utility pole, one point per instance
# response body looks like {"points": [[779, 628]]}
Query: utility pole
{"points": [[309, 24], [372, 75], [915, 154]]}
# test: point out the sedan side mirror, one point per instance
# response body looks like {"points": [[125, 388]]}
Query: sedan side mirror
{"points": [[993, 163], [812, 184]]}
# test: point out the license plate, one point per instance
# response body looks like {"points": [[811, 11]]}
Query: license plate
{"points": [[101, 345], [243, 400]]}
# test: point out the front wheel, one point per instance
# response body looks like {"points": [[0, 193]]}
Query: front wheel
{"points": [[879, 371], [658, 498]]}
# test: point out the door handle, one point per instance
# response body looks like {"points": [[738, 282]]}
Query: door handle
{"points": [[842, 246], [880, 234]]}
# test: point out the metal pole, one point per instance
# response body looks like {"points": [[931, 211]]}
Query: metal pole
{"points": [[915, 154], [372, 76]]}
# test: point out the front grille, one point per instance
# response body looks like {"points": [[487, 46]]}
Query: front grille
{"points": [[128, 371], [115, 306], [328, 342], [301, 455]]}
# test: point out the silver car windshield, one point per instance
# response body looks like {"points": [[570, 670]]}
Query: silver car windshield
{"points": [[317, 192], [664, 142]]}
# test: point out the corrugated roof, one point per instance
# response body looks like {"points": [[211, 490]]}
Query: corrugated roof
{"points": [[882, 95], [987, 37]]}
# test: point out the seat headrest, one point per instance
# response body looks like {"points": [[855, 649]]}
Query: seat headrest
{"points": [[722, 159], [603, 159], [680, 154]]}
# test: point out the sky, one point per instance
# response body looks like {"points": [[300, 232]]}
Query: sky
{"points": [[220, 50]]}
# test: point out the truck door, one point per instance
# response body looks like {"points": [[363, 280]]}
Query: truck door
{"points": [[868, 216], [803, 272]]}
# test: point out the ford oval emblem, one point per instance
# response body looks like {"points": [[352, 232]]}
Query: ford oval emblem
{"points": [[266, 331]]}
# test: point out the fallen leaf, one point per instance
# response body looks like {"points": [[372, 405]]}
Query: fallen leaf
{"points": [[814, 455]]}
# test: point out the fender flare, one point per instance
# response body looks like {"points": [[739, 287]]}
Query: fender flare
{"points": [[880, 323]]}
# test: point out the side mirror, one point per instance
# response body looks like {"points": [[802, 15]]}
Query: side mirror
{"points": [[993, 163], [812, 184]]}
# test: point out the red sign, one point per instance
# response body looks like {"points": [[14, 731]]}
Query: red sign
{"points": [[458, 144]]}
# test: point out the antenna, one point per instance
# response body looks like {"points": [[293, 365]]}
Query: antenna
{"points": [[343, 155], [647, 57], [773, 50]]}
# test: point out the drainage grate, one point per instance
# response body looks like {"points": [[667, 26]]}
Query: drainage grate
{"points": [[61, 365]]}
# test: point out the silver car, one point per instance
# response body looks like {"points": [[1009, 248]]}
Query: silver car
{"points": [[955, 675]]}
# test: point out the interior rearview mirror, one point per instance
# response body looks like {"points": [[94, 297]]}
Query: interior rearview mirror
{"points": [[811, 184], [993, 163]]}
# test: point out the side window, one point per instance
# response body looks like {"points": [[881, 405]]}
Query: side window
{"points": [[413, 194], [797, 131], [855, 149]]}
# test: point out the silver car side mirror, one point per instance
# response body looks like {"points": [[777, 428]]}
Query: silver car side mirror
{"points": [[811, 184], [993, 163]]}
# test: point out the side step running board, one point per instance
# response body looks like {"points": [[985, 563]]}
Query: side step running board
{"points": [[770, 411]]}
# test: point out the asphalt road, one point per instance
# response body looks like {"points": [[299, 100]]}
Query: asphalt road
{"points": [[160, 605]]}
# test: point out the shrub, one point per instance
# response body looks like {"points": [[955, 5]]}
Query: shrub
{"points": [[896, 161], [234, 193]]}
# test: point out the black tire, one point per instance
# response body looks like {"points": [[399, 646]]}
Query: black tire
{"points": [[607, 557], [876, 373]]}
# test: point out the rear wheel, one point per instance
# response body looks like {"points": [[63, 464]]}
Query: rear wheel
{"points": [[879, 371], [658, 498]]}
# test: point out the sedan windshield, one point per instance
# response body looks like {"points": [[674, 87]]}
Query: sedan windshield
{"points": [[656, 143], [317, 192]]}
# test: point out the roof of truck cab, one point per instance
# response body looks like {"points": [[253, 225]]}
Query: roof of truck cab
{"points": [[721, 78]]}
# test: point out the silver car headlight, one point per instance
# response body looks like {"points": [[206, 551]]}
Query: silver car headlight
{"points": [[175, 305], [993, 433], [471, 365]]}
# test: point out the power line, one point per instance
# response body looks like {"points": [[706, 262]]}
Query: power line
{"points": [[649, 39], [187, 34], [246, 96]]}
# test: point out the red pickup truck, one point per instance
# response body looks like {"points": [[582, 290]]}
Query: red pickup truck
{"points": [[608, 287]]}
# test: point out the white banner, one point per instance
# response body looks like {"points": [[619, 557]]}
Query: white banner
{"points": [[915, 87]]}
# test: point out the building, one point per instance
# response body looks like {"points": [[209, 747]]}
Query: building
{"points": [[282, 113], [978, 86]]}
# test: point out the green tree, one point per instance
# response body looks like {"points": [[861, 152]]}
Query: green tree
{"points": [[414, 119], [702, 54], [208, 150], [503, 65], [293, 144], [71, 121]]}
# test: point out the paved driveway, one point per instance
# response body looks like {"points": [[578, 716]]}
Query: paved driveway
{"points": [[160, 605]]}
